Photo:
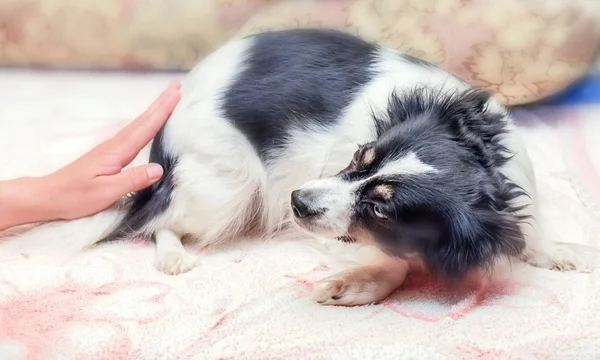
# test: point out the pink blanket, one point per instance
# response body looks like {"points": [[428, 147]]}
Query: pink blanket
{"points": [[252, 302]]}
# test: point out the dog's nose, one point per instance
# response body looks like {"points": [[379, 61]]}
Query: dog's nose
{"points": [[301, 205]]}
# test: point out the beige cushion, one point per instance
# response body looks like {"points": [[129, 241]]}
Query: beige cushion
{"points": [[522, 50]]}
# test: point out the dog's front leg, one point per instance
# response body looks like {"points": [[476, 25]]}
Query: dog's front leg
{"points": [[372, 281]]}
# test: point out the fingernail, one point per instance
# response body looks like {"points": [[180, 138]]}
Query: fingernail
{"points": [[168, 92], [174, 85], [154, 171]]}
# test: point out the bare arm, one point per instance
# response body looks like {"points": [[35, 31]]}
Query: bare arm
{"points": [[22, 202]]}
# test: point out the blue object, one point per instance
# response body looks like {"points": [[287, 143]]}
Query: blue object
{"points": [[585, 91]]}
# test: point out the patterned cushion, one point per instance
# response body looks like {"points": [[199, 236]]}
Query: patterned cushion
{"points": [[522, 50]]}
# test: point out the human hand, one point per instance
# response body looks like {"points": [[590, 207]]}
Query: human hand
{"points": [[95, 181]]}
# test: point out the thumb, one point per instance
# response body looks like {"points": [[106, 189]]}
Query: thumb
{"points": [[134, 179]]}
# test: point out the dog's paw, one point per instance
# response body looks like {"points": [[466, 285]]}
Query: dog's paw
{"points": [[360, 286], [566, 257], [175, 262]]}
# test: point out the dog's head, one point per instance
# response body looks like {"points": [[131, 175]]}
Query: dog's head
{"points": [[429, 186]]}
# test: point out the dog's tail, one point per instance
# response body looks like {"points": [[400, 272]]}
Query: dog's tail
{"points": [[124, 220], [61, 239], [148, 204]]}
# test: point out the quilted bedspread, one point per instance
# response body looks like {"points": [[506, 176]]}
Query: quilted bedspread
{"points": [[253, 301]]}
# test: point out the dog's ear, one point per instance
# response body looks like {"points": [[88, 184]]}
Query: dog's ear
{"points": [[474, 239], [457, 241], [475, 126]]}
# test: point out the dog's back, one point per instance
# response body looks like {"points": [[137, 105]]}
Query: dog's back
{"points": [[257, 119]]}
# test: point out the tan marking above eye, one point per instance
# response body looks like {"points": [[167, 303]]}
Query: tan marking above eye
{"points": [[368, 156], [385, 191]]}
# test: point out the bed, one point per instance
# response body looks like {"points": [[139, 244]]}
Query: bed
{"points": [[252, 301]]}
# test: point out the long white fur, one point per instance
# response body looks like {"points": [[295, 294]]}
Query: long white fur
{"points": [[221, 183]]}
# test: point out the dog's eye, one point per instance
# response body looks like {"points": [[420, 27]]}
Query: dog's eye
{"points": [[378, 213]]}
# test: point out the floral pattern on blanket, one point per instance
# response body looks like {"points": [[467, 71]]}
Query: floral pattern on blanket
{"points": [[91, 308], [84, 309]]}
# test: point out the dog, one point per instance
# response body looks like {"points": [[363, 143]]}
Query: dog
{"points": [[314, 131]]}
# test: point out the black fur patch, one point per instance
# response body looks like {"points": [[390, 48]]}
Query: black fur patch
{"points": [[296, 79], [151, 202], [346, 239]]}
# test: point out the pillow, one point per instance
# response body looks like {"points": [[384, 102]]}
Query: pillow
{"points": [[521, 50]]}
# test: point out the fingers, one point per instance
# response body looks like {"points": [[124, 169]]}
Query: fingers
{"points": [[134, 179], [175, 85], [135, 136], [139, 133]]}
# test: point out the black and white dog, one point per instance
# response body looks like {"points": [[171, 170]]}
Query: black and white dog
{"points": [[322, 132]]}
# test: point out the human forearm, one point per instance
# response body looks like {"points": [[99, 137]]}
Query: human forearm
{"points": [[24, 201], [94, 181]]}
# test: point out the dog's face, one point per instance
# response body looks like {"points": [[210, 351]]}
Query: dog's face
{"points": [[428, 187]]}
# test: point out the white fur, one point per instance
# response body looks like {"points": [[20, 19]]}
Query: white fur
{"points": [[372, 280], [171, 256], [408, 165], [70, 236], [540, 250], [218, 172]]}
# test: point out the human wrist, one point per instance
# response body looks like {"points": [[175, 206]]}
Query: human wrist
{"points": [[26, 200]]}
